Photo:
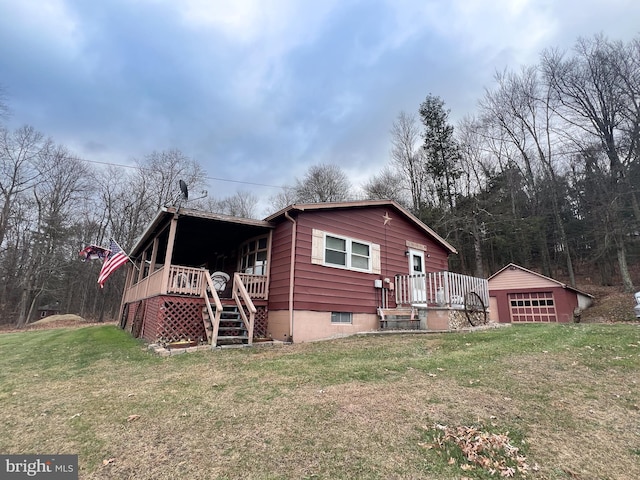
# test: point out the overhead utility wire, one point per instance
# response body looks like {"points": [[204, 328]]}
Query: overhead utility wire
{"points": [[208, 178]]}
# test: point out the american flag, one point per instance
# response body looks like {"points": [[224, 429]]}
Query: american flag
{"points": [[114, 260], [93, 252]]}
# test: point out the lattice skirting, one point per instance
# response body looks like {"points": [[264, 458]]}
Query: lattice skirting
{"points": [[165, 319], [260, 323], [180, 319]]}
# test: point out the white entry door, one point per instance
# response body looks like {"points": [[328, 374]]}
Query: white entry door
{"points": [[418, 276]]}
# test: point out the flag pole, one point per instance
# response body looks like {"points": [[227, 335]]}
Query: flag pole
{"points": [[128, 257]]}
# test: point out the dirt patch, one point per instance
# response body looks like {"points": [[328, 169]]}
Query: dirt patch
{"points": [[610, 304], [53, 321]]}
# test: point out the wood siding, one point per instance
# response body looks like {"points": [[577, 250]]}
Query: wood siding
{"points": [[279, 271], [512, 282], [324, 288], [519, 279]]}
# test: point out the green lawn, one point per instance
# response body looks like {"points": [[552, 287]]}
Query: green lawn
{"points": [[567, 396]]}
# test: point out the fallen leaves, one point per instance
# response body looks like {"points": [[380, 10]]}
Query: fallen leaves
{"points": [[132, 418], [478, 448]]}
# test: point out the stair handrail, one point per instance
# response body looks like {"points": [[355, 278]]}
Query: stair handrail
{"points": [[218, 304], [239, 288]]}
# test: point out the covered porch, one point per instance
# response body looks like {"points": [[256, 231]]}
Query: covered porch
{"points": [[181, 245], [192, 269]]}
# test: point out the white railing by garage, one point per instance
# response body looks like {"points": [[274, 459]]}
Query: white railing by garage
{"points": [[439, 289]]}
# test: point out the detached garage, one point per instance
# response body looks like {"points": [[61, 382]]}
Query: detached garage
{"points": [[520, 295]]}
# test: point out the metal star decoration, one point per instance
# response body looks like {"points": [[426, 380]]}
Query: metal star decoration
{"points": [[386, 218]]}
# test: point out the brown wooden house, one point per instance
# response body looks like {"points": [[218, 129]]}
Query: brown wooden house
{"points": [[307, 272], [521, 295]]}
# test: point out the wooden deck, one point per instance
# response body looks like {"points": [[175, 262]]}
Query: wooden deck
{"points": [[442, 289], [189, 281]]}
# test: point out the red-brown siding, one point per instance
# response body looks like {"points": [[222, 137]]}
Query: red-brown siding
{"points": [[515, 280], [565, 302], [322, 288], [280, 267]]}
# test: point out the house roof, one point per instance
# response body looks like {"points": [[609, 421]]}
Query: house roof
{"points": [[159, 221], [304, 207], [513, 266]]}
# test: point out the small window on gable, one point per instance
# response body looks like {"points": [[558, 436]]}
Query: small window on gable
{"points": [[341, 317]]}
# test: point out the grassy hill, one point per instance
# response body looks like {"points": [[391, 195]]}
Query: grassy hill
{"points": [[566, 396]]}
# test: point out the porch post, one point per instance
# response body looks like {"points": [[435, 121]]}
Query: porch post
{"points": [[154, 255], [268, 272], [169, 254], [127, 284]]}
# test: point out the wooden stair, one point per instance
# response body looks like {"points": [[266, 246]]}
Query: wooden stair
{"points": [[231, 331], [398, 319]]}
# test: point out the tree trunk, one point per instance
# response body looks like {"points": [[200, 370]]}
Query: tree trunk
{"points": [[477, 250], [622, 263]]}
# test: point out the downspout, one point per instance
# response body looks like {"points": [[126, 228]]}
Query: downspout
{"points": [[291, 271]]}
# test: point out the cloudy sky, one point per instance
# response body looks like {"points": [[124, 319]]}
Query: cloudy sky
{"points": [[258, 90]]}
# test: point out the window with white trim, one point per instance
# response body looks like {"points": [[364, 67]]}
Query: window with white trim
{"points": [[332, 250], [347, 253], [341, 317], [253, 256]]}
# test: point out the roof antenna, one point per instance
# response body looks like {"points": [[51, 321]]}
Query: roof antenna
{"points": [[184, 195], [184, 190]]}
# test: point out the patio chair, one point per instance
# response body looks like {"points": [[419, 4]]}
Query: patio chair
{"points": [[181, 280], [220, 280]]}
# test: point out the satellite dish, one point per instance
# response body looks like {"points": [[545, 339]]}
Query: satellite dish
{"points": [[184, 190]]}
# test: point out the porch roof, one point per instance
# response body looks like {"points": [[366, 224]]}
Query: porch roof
{"points": [[198, 226]]}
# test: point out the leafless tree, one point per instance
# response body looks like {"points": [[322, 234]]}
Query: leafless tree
{"points": [[388, 184], [55, 198], [322, 183], [162, 172], [21, 154], [593, 100], [285, 197], [521, 105], [242, 204], [407, 157]]}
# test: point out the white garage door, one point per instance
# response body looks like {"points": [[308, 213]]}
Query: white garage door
{"points": [[532, 307]]}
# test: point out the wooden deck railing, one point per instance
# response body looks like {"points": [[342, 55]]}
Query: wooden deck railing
{"points": [[245, 305], [190, 281], [256, 285], [186, 280], [439, 289], [214, 315], [147, 287]]}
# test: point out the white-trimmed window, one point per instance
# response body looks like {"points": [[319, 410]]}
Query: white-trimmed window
{"points": [[341, 317], [253, 256], [338, 251], [347, 253]]}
